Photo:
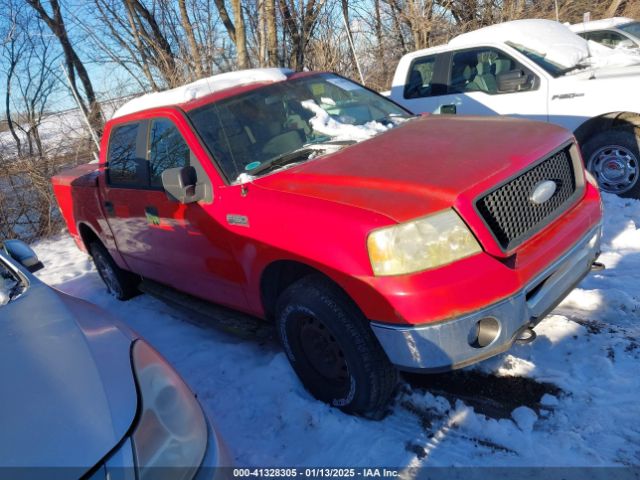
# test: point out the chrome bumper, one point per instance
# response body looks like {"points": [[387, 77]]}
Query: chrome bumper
{"points": [[453, 343]]}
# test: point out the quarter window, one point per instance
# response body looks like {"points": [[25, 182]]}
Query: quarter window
{"points": [[490, 71], [167, 149], [125, 168]]}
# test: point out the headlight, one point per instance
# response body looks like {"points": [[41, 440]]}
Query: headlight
{"points": [[428, 242], [172, 431]]}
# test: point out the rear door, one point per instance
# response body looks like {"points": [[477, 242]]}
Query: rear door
{"points": [[424, 85], [124, 191], [489, 81]]}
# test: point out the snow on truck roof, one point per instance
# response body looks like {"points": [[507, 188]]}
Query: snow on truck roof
{"points": [[201, 88]]}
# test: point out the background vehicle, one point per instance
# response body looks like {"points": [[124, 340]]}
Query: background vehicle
{"points": [[311, 201], [81, 391], [536, 69], [616, 32]]}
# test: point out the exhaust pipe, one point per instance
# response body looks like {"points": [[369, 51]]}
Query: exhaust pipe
{"points": [[597, 267]]}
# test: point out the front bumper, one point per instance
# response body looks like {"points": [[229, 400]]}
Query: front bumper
{"points": [[453, 343]]}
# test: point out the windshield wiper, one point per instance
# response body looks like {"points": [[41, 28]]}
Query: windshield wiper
{"points": [[282, 160], [578, 66], [296, 155]]}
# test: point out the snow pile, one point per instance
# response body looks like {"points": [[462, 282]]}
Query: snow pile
{"points": [[324, 124], [549, 39], [588, 349], [202, 87]]}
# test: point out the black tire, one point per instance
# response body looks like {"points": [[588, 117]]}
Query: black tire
{"points": [[618, 148], [120, 284], [332, 348]]}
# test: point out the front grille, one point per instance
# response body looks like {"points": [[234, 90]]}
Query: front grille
{"points": [[512, 216]]}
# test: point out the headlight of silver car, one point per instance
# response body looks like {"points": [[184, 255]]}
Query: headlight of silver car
{"points": [[172, 430], [420, 244]]}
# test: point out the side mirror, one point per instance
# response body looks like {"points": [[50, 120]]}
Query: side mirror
{"points": [[23, 254], [513, 81], [181, 184]]}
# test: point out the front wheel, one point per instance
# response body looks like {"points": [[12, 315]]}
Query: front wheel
{"points": [[332, 348], [613, 158]]}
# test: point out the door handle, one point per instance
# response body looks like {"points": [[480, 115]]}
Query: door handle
{"points": [[108, 207], [448, 109]]}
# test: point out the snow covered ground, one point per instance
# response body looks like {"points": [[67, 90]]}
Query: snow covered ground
{"points": [[570, 398]]}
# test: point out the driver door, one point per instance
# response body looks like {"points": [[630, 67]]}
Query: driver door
{"points": [[488, 81]]}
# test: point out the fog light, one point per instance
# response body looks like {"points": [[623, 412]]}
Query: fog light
{"points": [[484, 332]]}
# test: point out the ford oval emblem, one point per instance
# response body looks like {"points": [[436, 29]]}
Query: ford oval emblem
{"points": [[542, 192]]}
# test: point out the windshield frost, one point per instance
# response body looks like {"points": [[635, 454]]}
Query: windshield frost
{"points": [[289, 122]]}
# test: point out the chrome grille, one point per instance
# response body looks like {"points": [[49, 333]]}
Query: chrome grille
{"points": [[508, 210]]}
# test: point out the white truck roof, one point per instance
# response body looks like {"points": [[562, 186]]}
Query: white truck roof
{"points": [[201, 88], [545, 37]]}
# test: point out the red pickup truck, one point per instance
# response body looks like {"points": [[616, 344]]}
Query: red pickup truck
{"points": [[374, 239]]}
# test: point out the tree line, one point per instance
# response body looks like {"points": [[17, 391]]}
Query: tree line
{"points": [[55, 48]]}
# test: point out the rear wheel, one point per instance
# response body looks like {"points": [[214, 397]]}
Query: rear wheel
{"points": [[613, 157], [121, 284], [332, 348]]}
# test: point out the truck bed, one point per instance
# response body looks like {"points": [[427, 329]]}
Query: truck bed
{"points": [[76, 192]]}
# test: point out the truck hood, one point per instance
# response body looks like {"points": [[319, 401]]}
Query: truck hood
{"points": [[68, 392], [422, 166]]}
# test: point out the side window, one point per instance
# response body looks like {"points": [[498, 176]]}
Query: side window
{"points": [[167, 149], [125, 168], [490, 71], [606, 37], [420, 77]]}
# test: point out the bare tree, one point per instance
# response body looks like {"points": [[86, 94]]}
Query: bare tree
{"points": [[299, 19], [75, 66]]}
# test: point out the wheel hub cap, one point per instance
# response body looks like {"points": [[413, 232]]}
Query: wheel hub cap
{"points": [[615, 167], [323, 351]]}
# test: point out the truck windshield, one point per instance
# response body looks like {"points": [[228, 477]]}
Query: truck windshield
{"points": [[10, 284], [291, 122], [552, 68]]}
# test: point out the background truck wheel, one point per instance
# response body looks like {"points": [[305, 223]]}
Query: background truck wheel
{"points": [[121, 284], [332, 348], [613, 157]]}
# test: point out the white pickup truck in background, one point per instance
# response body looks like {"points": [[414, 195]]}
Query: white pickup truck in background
{"points": [[537, 69]]}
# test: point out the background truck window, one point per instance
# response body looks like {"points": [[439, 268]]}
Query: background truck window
{"points": [[420, 77], [480, 70]]}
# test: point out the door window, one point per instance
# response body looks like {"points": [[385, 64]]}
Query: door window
{"points": [[488, 70], [167, 149], [125, 168], [420, 78]]}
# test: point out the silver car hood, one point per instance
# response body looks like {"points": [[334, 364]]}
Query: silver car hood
{"points": [[68, 394]]}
